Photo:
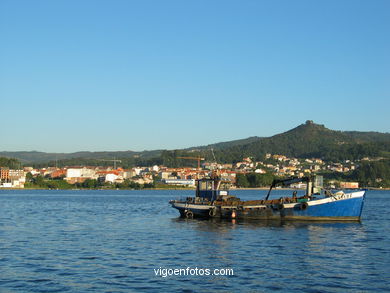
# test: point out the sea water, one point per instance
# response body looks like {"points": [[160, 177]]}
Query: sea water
{"points": [[133, 241]]}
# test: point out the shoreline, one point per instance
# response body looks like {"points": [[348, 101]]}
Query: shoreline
{"points": [[233, 188]]}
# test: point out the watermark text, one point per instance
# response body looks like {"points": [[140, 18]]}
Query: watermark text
{"points": [[188, 271]]}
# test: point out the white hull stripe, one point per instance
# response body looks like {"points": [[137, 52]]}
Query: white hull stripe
{"points": [[192, 206], [344, 196]]}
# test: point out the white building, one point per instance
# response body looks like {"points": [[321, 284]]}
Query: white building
{"points": [[76, 174], [127, 174], [137, 170], [142, 180], [189, 182], [165, 174], [6, 185], [80, 172], [17, 177], [111, 177]]}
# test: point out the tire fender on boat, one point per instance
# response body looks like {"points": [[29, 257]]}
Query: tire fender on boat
{"points": [[212, 212], [304, 206], [189, 214]]}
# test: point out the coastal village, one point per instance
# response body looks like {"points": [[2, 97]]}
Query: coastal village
{"points": [[150, 176]]}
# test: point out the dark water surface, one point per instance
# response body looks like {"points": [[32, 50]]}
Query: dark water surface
{"points": [[113, 241]]}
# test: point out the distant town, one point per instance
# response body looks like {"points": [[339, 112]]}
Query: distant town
{"points": [[273, 165]]}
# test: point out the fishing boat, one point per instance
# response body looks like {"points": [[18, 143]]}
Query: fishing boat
{"points": [[212, 200]]}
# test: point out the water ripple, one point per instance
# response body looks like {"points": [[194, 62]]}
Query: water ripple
{"points": [[113, 241]]}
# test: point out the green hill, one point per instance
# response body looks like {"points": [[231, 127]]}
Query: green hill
{"points": [[304, 141], [41, 157], [312, 140]]}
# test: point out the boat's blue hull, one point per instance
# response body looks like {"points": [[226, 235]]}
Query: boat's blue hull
{"points": [[348, 208]]}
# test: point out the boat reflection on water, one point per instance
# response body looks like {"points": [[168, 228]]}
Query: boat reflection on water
{"points": [[219, 224]]}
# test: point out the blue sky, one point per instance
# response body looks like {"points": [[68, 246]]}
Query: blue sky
{"points": [[134, 75]]}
